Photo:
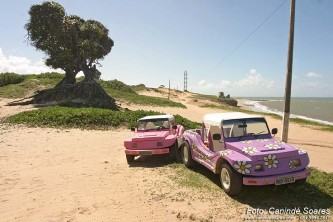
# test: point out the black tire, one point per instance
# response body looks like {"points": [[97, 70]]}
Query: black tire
{"points": [[130, 159], [186, 155], [235, 180], [301, 181], [173, 152]]}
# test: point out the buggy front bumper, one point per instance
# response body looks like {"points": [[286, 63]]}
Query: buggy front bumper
{"points": [[269, 180], [147, 152]]}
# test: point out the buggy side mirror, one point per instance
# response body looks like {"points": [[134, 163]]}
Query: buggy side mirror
{"points": [[274, 131], [174, 127], [216, 136], [133, 129]]}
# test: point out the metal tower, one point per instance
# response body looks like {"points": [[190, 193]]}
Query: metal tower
{"points": [[185, 81]]}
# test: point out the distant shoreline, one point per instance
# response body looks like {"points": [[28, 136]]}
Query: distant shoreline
{"points": [[255, 104]]}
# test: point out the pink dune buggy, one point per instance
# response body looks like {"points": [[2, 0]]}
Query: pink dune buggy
{"points": [[240, 148], [154, 135]]}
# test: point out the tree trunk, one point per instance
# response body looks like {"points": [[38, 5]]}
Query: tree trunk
{"points": [[69, 79]]}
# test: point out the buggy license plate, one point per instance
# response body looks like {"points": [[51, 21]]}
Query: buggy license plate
{"points": [[145, 153], [284, 180]]}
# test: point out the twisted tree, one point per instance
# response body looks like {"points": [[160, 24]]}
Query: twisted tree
{"points": [[72, 44]]}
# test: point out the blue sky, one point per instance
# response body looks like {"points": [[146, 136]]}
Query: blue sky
{"points": [[157, 40]]}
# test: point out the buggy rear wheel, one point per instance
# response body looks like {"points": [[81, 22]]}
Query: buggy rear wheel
{"points": [[186, 155], [130, 158]]}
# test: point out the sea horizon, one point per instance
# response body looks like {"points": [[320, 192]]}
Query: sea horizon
{"points": [[318, 109]]}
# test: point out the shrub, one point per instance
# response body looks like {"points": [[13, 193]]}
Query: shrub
{"points": [[117, 85], [10, 78], [85, 118]]}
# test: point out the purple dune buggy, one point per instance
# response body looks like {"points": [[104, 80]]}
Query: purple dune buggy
{"points": [[241, 149]]}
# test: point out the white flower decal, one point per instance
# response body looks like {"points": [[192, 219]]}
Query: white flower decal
{"points": [[247, 141], [262, 140], [300, 151], [279, 142], [225, 153], [273, 146], [249, 150], [271, 161], [242, 167]]}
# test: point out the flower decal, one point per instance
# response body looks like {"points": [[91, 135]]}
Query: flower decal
{"points": [[242, 167], [249, 150], [273, 146], [225, 153], [271, 161], [262, 140], [279, 142], [300, 151], [247, 141]]}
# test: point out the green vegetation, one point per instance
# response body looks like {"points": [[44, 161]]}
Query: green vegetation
{"points": [[114, 88], [139, 87], [86, 118], [192, 178], [30, 84], [211, 98], [316, 193], [121, 91], [10, 78]]}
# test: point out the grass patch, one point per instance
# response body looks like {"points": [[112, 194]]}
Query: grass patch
{"points": [[85, 118], [17, 86], [211, 98], [191, 178], [121, 91], [30, 84], [10, 78], [316, 193]]}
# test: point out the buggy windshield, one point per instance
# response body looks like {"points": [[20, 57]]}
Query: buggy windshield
{"points": [[154, 124], [245, 127]]}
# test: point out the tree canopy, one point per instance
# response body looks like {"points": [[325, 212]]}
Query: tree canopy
{"points": [[71, 43]]}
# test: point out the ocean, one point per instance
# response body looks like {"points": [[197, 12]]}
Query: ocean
{"points": [[310, 108]]}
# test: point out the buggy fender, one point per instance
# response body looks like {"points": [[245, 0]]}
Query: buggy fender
{"points": [[231, 157]]}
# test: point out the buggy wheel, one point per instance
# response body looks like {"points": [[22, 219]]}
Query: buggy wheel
{"points": [[231, 181], [186, 155], [173, 152], [130, 159], [301, 181]]}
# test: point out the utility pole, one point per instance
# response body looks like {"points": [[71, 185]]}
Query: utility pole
{"points": [[169, 90], [185, 81], [287, 94]]}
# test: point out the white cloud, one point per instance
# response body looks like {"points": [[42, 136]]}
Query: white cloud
{"points": [[202, 82], [252, 84], [254, 79], [22, 65], [313, 75]]}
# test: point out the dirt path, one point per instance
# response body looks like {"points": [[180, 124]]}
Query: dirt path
{"points": [[74, 175]]}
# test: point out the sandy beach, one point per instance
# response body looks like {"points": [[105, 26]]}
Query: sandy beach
{"points": [[81, 175]]}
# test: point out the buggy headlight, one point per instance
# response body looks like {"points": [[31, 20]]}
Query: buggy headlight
{"points": [[294, 163]]}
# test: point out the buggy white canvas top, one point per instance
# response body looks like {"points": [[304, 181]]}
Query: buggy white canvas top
{"points": [[167, 116], [216, 119]]}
